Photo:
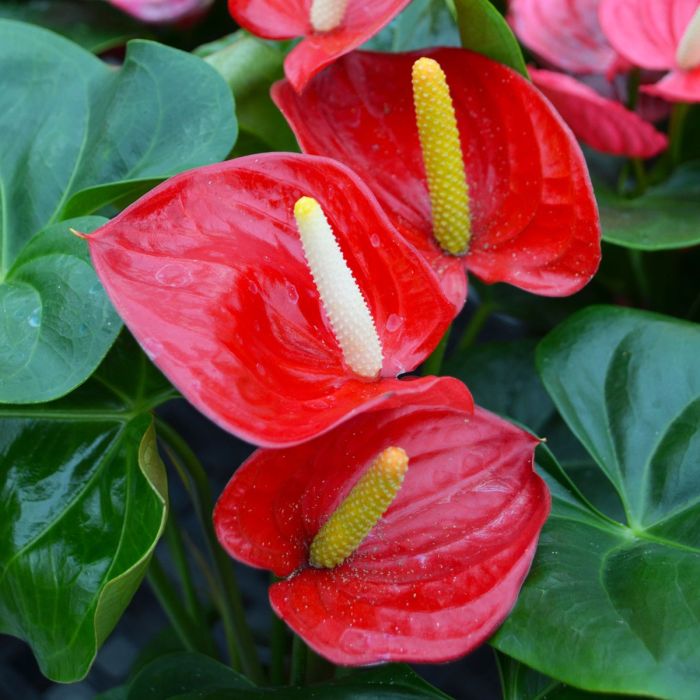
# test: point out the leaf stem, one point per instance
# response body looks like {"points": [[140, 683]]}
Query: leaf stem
{"points": [[170, 602], [278, 647], [433, 364], [192, 602], [675, 131], [475, 325], [640, 276], [300, 651], [238, 635]]}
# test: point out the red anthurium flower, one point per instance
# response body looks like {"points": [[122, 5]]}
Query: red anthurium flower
{"points": [[330, 28], [660, 35], [163, 10], [513, 203], [403, 535], [566, 33], [274, 342], [601, 123]]}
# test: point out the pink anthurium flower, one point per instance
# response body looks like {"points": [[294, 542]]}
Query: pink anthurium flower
{"points": [[566, 34], [659, 35], [402, 535], [274, 293], [330, 28], [473, 165], [599, 122], [163, 10]]}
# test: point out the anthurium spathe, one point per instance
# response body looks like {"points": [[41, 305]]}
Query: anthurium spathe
{"points": [[330, 28], [451, 510], [659, 35], [566, 34], [598, 121], [163, 10], [517, 192], [274, 293]]}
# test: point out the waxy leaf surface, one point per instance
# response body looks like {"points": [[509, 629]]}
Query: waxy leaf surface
{"points": [[666, 216], [534, 220], [58, 321], [120, 131], [209, 274], [287, 19], [82, 505], [610, 605], [441, 568]]}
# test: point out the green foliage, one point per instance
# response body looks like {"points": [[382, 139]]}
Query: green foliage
{"points": [[610, 605], [666, 216], [82, 505], [484, 30], [90, 135]]}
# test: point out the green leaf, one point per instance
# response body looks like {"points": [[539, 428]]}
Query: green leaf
{"points": [[177, 674], [96, 26], [162, 112], [422, 24], [613, 606], [58, 323], [82, 505], [90, 135], [250, 65], [484, 30], [665, 217], [522, 683]]}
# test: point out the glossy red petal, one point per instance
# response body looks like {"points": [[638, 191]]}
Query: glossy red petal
{"points": [[285, 19], [208, 272], [162, 10], [566, 33], [646, 32], [299, 485], [440, 570], [601, 123], [677, 86], [534, 217]]}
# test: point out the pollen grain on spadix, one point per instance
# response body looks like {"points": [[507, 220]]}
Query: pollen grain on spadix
{"points": [[688, 52], [442, 156], [360, 510], [343, 302], [326, 15]]}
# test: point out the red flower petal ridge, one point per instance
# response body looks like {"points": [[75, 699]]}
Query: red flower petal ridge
{"points": [[208, 272], [601, 123], [286, 19], [440, 570], [534, 218]]}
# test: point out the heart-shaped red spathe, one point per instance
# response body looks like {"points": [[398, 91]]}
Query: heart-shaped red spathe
{"points": [[208, 273], [442, 567], [287, 19], [602, 123], [534, 218], [566, 33], [647, 33]]}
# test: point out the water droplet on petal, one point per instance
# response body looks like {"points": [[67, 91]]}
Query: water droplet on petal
{"points": [[375, 241], [393, 323], [292, 292], [174, 275]]}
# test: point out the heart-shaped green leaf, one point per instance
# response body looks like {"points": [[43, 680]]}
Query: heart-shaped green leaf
{"points": [[82, 505], [190, 676], [664, 217], [612, 605], [58, 321], [89, 135], [484, 30]]}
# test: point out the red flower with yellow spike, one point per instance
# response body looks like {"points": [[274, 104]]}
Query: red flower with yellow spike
{"points": [[402, 535], [474, 167], [274, 293], [330, 28]]}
